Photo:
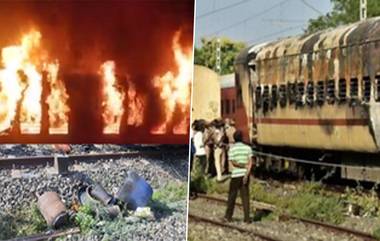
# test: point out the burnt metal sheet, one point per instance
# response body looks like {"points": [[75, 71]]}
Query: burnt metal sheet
{"points": [[328, 54]]}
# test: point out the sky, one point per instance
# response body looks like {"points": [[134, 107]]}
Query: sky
{"points": [[255, 21]]}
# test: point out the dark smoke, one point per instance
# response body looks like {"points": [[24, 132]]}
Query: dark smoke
{"points": [[83, 34]]}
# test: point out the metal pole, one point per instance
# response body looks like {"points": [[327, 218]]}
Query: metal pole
{"points": [[218, 57], [363, 9]]}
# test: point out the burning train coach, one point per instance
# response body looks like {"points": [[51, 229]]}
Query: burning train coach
{"points": [[95, 72], [317, 93]]}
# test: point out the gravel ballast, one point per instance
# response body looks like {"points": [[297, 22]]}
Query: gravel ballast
{"points": [[19, 188]]}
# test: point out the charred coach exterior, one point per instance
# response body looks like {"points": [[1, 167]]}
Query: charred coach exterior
{"points": [[319, 91]]}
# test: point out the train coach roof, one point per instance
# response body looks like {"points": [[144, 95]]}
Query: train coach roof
{"points": [[347, 35], [242, 57]]}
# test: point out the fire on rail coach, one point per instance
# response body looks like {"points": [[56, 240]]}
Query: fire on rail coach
{"points": [[316, 97]]}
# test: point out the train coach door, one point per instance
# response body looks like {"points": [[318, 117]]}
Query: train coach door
{"points": [[253, 82]]}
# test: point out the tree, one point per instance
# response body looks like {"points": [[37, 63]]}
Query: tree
{"points": [[343, 12], [206, 55]]}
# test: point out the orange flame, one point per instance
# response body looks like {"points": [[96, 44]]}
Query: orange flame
{"points": [[57, 102], [21, 86], [175, 90], [113, 98], [135, 107]]}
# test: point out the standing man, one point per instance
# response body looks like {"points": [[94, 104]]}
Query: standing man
{"points": [[219, 147], [240, 155], [230, 131], [199, 164]]}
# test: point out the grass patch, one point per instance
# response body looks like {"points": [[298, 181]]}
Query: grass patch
{"points": [[309, 201], [368, 203], [85, 218], [25, 222], [376, 233], [259, 193], [317, 207], [171, 192]]}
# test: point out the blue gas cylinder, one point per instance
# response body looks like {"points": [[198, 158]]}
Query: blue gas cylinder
{"points": [[135, 191]]}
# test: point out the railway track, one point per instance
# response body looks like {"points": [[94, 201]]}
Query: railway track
{"points": [[65, 160], [234, 227], [48, 236], [327, 226]]}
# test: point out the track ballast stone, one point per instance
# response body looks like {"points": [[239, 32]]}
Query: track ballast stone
{"points": [[170, 216]]}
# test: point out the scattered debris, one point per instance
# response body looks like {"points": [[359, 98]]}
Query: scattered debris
{"points": [[52, 209]]}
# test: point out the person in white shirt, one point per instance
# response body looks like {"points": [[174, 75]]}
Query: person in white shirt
{"points": [[200, 161]]}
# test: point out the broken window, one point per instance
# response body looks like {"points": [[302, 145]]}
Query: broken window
{"points": [[366, 87], [282, 95], [330, 92], [353, 91], [266, 98], [258, 97], [300, 91], [274, 95], [310, 93], [291, 93], [342, 92], [320, 92]]}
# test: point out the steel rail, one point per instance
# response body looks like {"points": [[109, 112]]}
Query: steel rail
{"points": [[12, 162], [230, 226], [292, 159], [47, 236], [331, 227]]}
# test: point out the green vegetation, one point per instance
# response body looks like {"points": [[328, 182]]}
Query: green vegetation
{"points": [[365, 203], [309, 201], [343, 12], [326, 208], [25, 222], [171, 192], [258, 193], [85, 218], [376, 233], [206, 55]]}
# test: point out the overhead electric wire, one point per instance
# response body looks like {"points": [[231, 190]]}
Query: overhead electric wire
{"points": [[311, 7], [222, 9], [274, 34], [248, 18]]}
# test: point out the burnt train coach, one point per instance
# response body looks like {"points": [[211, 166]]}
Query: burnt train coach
{"points": [[317, 92]]}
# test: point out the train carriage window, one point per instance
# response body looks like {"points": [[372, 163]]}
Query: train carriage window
{"points": [[291, 93], [300, 92], [330, 97], [233, 106], [282, 95], [222, 106], [274, 95], [378, 88], [310, 93], [342, 92], [266, 98], [366, 89], [320, 92], [258, 97], [353, 91]]}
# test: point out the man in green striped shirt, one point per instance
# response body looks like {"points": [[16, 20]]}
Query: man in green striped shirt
{"points": [[240, 155]]}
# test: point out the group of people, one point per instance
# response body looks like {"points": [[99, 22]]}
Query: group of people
{"points": [[217, 149]]}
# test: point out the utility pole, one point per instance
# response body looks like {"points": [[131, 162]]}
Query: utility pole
{"points": [[363, 9], [218, 56]]}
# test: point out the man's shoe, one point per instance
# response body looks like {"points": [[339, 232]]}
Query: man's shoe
{"points": [[225, 220]]}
